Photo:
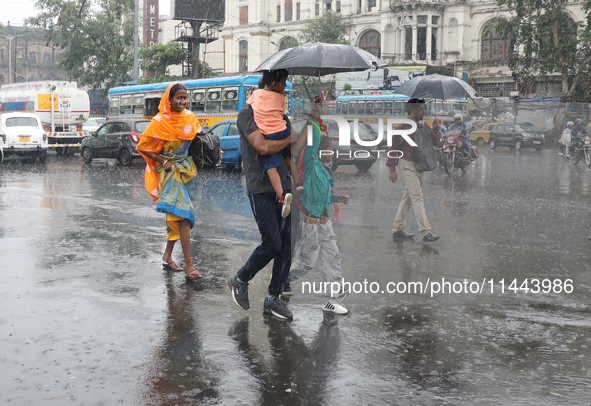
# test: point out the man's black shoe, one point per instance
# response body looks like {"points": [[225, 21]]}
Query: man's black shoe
{"points": [[277, 307], [239, 292], [402, 234], [430, 238]]}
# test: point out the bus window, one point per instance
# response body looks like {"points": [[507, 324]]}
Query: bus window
{"points": [[230, 99], [138, 104], [398, 108], [369, 108], [152, 104], [339, 108], [352, 108], [213, 102], [361, 107], [113, 106], [379, 109], [125, 105], [388, 108], [460, 106], [198, 101], [331, 107]]}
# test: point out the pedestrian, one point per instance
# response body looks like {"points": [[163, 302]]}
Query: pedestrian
{"points": [[566, 138], [268, 105], [317, 243], [171, 174], [267, 210], [413, 179]]}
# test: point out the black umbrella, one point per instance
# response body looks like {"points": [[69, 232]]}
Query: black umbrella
{"points": [[320, 59], [436, 87]]}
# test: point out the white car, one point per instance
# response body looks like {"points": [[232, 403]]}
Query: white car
{"points": [[93, 124], [22, 134]]}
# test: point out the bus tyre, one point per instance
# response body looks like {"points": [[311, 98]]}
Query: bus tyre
{"points": [[86, 155]]}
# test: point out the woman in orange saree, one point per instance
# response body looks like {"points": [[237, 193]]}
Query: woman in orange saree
{"points": [[171, 174]]}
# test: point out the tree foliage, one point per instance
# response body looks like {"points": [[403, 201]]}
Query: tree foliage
{"points": [[544, 40], [329, 28], [96, 37], [158, 58]]}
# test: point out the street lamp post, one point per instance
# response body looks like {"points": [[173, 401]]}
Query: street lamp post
{"points": [[10, 38]]}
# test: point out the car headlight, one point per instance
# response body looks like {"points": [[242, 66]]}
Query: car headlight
{"points": [[450, 140]]}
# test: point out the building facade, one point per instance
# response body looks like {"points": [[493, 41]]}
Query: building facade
{"points": [[27, 53]]}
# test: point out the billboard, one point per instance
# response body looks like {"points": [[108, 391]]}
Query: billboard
{"points": [[150, 22], [198, 10]]}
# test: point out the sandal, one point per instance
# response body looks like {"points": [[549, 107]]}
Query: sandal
{"points": [[194, 278], [172, 266]]}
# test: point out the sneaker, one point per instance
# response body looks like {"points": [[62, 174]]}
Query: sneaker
{"points": [[286, 209], [298, 190], [277, 307], [329, 319], [239, 292], [335, 307], [287, 290]]}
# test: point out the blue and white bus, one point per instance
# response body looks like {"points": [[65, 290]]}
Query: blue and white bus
{"points": [[211, 100], [371, 108]]}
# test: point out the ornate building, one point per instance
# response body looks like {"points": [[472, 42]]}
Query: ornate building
{"points": [[451, 33]]}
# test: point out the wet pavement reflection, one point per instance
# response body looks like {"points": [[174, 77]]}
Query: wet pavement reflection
{"points": [[90, 317]]}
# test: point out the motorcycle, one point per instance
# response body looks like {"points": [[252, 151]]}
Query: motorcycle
{"points": [[582, 152], [453, 155]]}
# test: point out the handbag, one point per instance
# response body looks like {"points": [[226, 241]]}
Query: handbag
{"points": [[206, 151]]}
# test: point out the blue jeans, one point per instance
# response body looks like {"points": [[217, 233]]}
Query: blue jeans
{"points": [[276, 241], [465, 144]]}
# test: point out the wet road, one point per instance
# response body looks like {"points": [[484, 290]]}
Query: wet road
{"points": [[90, 318]]}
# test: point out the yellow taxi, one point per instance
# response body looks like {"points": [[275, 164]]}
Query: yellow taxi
{"points": [[480, 137]]}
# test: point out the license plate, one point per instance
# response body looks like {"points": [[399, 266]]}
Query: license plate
{"points": [[23, 138], [537, 142]]}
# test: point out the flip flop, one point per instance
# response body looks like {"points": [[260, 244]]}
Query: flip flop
{"points": [[189, 279], [172, 266]]}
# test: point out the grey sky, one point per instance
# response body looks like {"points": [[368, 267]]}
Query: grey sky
{"points": [[16, 11]]}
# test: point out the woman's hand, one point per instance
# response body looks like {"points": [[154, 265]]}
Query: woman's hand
{"points": [[167, 165]]}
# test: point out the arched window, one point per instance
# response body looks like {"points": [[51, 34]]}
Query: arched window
{"points": [[370, 41], [287, 42], [453, 35], [243, 56], [495, 45]]}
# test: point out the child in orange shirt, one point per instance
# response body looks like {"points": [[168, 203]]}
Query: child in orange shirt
{"points": [[268, 105]]}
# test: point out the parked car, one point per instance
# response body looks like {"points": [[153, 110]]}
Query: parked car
{"points": [[515, 136], [93, 123], [114, 139], [482, 136], [227, 130], [362, 157], [22, 134]]}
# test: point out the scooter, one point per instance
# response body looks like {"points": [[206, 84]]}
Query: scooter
{"points": [[453, 155]]}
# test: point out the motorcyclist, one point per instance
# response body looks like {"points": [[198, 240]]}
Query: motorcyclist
{"points": [[460, 126], [566, 137], [577, 133]]}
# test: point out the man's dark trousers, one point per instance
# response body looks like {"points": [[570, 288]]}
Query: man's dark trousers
{"points": [[276, 241]]}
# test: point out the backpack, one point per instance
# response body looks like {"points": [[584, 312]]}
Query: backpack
{"points": [[206, 150], [424, 155]]}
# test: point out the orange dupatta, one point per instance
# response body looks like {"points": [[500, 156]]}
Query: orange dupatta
{"points": [[165, 126]]}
